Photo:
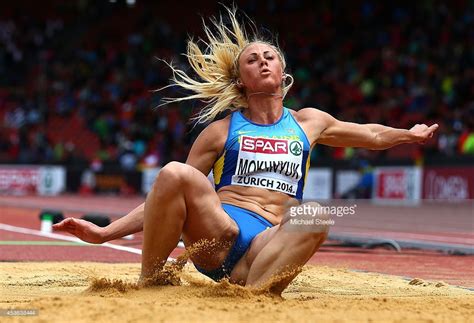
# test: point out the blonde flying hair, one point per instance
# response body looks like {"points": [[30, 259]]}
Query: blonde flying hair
{"points": [[217, 67]]}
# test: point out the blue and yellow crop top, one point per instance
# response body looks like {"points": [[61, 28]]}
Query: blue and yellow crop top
{"points": [[273, 156]]}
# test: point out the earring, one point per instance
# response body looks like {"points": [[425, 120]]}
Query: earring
{"points": [[287, 77]]}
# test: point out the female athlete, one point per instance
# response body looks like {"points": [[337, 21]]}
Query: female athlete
{"points": [[259, 155]]}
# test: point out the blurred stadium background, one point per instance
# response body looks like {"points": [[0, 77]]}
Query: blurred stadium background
{"points": [[77, 110]]}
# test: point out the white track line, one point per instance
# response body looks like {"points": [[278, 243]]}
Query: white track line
{"points": [[12, 228]]}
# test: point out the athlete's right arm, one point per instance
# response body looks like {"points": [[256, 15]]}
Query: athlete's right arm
{"points": [[202, 156], [89, 232]]}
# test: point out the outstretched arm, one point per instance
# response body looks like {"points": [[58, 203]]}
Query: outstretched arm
{"points": [[89, 232], [370, 136]]}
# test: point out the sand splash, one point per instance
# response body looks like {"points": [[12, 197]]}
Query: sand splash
{"points": [[172, 275], [109, 285]]}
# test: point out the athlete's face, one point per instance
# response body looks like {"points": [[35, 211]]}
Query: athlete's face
{"points": [[260, 69]]}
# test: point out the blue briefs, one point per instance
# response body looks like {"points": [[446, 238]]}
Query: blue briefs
{"points": [[250, 224]]}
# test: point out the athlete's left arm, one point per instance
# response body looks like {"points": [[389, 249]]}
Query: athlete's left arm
{"points": [[338, 133]]}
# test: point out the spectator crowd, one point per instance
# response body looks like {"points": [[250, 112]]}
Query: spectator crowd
{"points": [[94, 65]]}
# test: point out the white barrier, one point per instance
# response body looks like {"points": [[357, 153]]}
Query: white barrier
{"points": [[345, 181], [318, 184], [148, 177]]}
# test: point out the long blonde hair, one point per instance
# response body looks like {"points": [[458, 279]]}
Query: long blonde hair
{"points": [[217, 67]]}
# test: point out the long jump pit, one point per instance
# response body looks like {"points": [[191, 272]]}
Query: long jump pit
{"points": [[100, 292], [53, 278]]}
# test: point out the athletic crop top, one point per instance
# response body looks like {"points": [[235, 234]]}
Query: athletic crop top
{"points": [[273, 156]]}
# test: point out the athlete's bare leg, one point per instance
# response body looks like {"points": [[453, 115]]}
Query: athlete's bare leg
{"points": [[183, 202], [281, 248]]}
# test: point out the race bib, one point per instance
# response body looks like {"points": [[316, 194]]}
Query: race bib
{"points": [[274, 164]]}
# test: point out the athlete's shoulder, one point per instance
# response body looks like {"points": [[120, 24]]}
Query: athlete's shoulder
{"points": [[218, 126], [309, 114], [208, 145], [214, 135], [313, 121]]}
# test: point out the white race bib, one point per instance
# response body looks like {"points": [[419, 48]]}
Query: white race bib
{"points": [[274, 164]]}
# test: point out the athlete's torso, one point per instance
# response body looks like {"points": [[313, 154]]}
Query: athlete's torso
{"points": [[263, 167]]}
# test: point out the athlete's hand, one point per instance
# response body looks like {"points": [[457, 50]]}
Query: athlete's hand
{"points": [[82, 229], [422, 132]]}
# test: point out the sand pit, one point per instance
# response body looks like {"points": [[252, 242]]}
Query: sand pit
{"points": [[98, 292]]}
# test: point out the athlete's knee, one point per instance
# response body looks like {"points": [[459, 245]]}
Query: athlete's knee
{"points": [[323, 222], [320, 229], [172, 175], [312, 238]]}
